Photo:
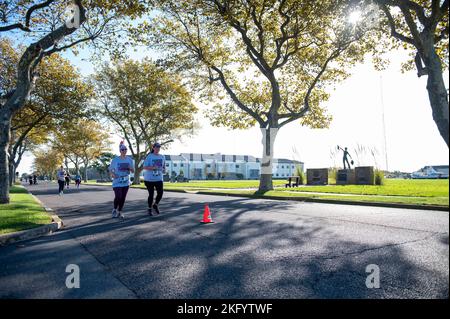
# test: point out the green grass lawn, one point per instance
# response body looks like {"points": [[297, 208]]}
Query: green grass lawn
{"points": [[23, 212], [404, 191], [412, 200], [222, 184], [392, 187], [440, 201]]}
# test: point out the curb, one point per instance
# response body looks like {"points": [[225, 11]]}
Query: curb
{"points": [[315, 200], [36, 232]]}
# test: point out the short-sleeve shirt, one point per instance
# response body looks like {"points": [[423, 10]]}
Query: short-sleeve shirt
{"points": [[122, 168], [61, 175], [155, 175]]}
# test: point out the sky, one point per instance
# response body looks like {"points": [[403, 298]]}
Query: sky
{"points": [[356, 104]]}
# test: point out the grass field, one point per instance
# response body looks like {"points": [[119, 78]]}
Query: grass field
{"points": [[23, 212], [440, 201], [404, 191], [392, 187]]}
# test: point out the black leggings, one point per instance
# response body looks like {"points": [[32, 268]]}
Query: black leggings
{"points": [[120, 196], [61, 186], [159, 192]]}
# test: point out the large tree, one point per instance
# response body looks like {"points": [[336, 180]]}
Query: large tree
{"points": [[82, 142], [146, 104], [101, 164], [273, 60], [422, 26], [48, 27], [47, 161], [56, 102]]}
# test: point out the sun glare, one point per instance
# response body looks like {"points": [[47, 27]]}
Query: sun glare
{"points": [[354, 17]]}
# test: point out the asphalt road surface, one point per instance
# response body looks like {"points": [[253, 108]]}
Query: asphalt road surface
{"points": [[254, 249]]}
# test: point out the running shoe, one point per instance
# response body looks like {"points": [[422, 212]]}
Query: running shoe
{"points": [[149, 211], [155, 207], [114, 213]]}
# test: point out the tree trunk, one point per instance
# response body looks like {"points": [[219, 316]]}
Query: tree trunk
{"points": [[5, 126], [66, 163], [265, 181], [86, 171], [11, 172], [14, 173], [137, 173], [25, 75], [437, 94]]}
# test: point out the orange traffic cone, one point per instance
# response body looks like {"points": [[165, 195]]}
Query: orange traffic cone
{"points": [[207, 216]]}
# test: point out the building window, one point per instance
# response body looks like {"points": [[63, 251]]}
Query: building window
{"points": [[209, 165], [174, 165], [237, 166], [277, 175], [181, 165], [167, 164], [282, 166], [292, 166]]}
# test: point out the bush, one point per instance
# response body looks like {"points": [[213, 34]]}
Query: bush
{"points": [[332, 174], [379, 177], [300, 174], [302, 178]]}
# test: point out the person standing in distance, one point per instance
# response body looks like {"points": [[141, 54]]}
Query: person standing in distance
{"points": [[67, 180], [154, 168], [61, 175], [120, 169], [77, 180]]}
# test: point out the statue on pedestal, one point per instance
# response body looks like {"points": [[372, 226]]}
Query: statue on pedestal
{"points": [[345, 158]]}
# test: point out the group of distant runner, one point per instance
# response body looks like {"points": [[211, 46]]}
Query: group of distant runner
{"points": [[64, 179], [120, 170]]}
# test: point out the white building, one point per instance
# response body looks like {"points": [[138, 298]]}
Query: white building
{"points": [[196, 166]]}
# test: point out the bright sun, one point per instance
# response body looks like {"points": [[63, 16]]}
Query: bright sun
{"points": [[354, 17]]}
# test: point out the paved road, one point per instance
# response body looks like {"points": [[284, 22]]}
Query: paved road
{"points": [[255, 249]]}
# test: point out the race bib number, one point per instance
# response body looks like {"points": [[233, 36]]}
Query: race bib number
{"points": [[123, 179], [158, 163]]}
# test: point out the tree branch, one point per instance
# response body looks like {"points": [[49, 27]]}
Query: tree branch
{"points": [[30, 11], [394, 32], [15, 26], [295, 116], [34, 8], [235, 98]]}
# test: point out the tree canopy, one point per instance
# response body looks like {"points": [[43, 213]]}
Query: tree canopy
{"points": [[145, 103], [265, 62]]}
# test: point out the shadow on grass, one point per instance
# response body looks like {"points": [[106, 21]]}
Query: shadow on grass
{"points": [[18, 226], [17, 190]]}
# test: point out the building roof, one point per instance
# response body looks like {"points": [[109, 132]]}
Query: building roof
{"points": [[174, 158], [440, 166], [218, 157]]}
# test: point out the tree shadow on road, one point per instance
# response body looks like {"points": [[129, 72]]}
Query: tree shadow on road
{"points": [[254, 249]]}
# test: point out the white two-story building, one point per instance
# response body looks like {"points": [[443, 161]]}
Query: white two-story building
{"points": [[197, 166]]}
